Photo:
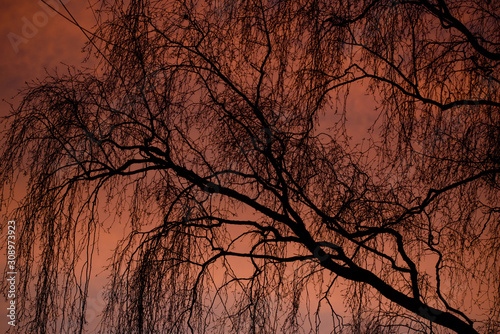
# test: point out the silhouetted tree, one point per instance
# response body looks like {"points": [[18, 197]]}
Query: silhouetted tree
{"points": [[218, 132]]}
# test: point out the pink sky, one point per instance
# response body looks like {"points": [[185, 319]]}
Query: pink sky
{"points": [[27, 52], [34, 41]]}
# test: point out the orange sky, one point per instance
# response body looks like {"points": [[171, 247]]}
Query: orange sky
{"points": [[34, 41], [26, 53]]}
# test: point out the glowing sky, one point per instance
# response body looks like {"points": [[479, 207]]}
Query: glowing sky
{"points": [[35, 40]]}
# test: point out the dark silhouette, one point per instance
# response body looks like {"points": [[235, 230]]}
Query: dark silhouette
{"points": [[219, 133]]}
